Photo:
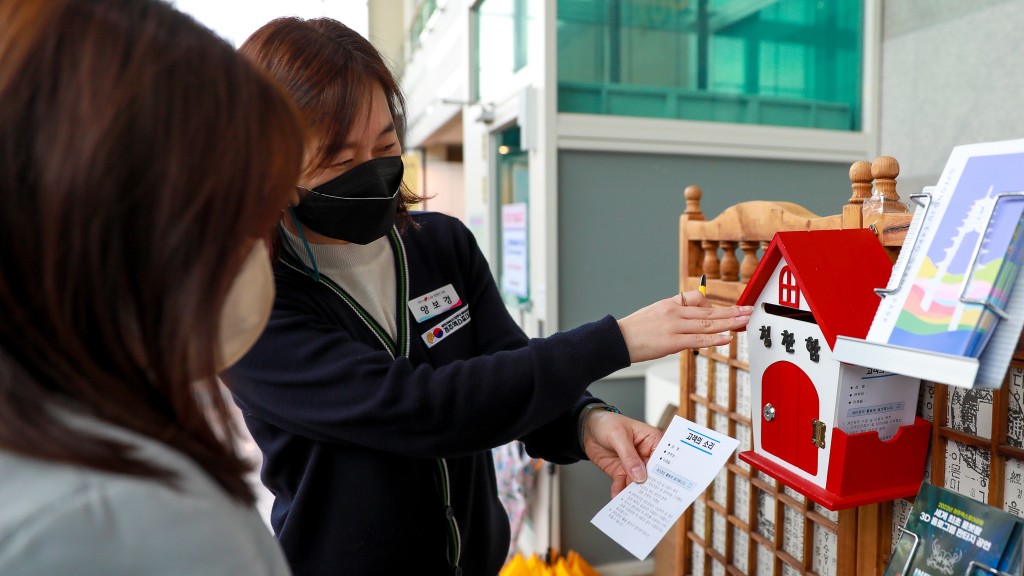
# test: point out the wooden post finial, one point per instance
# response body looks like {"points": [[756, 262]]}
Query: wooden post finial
{"points": [[860, 181], [884, 170], [693, 195], [884, 199]]}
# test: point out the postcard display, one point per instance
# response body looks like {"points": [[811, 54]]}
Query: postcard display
{"points": [[749, 523]]}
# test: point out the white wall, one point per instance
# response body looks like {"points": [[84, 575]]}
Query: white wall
{"points": [[950, 75]]}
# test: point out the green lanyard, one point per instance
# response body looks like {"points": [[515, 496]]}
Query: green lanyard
{"points": [[401, 348]]}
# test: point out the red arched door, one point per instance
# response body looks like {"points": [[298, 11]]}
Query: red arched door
{"points": [[788, 434]]}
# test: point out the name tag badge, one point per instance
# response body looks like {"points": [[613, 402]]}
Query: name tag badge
{"points": [[437, 302], [445, 328]]}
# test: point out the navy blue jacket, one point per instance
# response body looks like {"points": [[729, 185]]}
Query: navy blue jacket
{"points": [[354, 427]]}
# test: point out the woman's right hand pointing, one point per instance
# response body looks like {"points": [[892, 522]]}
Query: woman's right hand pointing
{"points": [[679, 323]]}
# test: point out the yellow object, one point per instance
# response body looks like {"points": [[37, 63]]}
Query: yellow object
{"points": [[578, 566], [535, 566], [572, 564], [515, 567]]}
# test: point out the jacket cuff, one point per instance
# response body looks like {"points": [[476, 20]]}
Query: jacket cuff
{"points": [[588, 409]]}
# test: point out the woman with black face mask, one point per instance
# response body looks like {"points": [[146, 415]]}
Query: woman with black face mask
{"points": [[390, 366]]}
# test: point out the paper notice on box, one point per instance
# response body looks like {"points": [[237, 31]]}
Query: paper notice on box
{"points": [[686, 460]]}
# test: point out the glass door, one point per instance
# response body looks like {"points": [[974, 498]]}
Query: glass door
{"points": [[513, 193]]}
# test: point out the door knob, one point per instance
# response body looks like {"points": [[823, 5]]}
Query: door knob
{"points": [[769, 412]]}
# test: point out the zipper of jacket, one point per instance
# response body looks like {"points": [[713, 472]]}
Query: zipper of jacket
{"points": [[449, 513], [455, 536]]}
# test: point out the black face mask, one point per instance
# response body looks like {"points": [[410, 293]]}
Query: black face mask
{"points": [[358, 206]]}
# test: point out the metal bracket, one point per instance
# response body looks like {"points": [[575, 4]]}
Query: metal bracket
{"points": [[919, 200], [977, 251], [913, 549], [975, 565]]}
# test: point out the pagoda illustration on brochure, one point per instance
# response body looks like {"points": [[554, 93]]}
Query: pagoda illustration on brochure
{"points": [[820, 426]]}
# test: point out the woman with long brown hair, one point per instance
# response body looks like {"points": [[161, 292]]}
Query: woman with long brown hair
{"points": [[390, 366], [142, 161]]}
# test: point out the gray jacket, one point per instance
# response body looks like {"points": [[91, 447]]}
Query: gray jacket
{"points": [[59, 519]]}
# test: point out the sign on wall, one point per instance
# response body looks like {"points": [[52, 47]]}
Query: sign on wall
{"points": [[515, 267]]}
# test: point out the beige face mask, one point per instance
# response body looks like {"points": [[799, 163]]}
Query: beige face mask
{"points": [[247, 307]]}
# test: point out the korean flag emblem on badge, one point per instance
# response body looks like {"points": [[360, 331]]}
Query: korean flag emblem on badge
{"points": [[446, 327]]}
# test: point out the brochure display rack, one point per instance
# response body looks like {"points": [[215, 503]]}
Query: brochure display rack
{"points": [[953, 309], [748, 522]]}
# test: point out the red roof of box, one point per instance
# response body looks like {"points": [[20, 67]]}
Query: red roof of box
{"points": [[836, 272]]}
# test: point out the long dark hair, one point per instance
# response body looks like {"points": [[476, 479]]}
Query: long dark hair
{"points": [[330, 71], [140, 156]]}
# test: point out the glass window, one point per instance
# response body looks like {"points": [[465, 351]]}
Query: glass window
{"points": [[778, 62], [500, 43], [789, 292]]}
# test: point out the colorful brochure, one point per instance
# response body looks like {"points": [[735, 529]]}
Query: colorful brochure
{"points": [[962, 256]]}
